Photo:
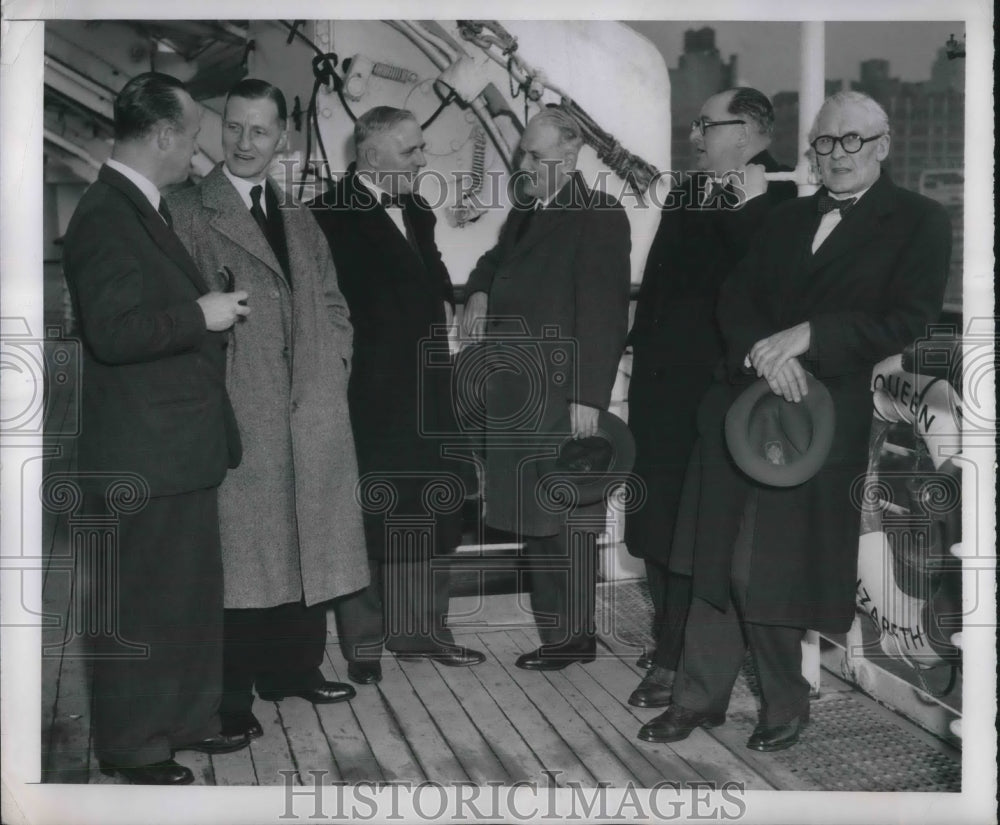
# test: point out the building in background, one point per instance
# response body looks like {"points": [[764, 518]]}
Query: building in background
{"points": [[700, 73]]}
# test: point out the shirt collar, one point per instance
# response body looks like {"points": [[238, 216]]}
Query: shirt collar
{"points": [[142, 183], [843, 196], [243, 187], [374, 188]]}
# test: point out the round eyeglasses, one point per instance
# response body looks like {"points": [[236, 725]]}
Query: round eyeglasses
{"points": [[700, 124], [851, 143]]}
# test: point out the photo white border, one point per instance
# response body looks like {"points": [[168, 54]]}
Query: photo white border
{"points": [[21, 296]]}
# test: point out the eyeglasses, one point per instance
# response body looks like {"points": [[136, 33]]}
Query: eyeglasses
{"points": [[851, 143], [700, 124]]}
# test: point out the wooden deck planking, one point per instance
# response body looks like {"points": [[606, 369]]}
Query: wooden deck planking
{"points": [[520, 764], [270, 752], [703, 755], [459, 728], [377, 723], [234, 768], [353, 754], [551, 750], [430, 746], [307, 742]]}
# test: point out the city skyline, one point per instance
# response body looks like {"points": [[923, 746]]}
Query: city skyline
{"points": [[909, 46]]}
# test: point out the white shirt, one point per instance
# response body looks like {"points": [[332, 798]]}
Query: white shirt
{"points": [[395, 213], [243, 187], [142, 183], [830, 220]]}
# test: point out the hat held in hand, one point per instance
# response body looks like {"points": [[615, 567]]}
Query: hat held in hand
{"points": [[589, 464], [777, 442]]}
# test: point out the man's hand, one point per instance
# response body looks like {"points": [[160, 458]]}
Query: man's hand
{"points": [[790, 381], [221, 309], [583, 420], [474, 318], [770, 354]]}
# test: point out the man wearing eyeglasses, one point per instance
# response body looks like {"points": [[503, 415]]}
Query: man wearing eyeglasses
{"points": [[705, 228], [833, 284]]}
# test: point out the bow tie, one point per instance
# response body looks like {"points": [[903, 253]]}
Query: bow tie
{"points": [[389, 201], [827, 204]]}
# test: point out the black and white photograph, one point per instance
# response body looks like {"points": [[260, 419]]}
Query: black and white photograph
{"points": [[575, 413]]}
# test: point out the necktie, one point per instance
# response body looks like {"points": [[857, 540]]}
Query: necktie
{"points": [[827, 204], [713, 192], [256, 210], [389, 201], [165, 213]]}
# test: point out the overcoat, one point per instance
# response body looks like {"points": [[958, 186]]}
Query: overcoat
{"points": [[676, 341], [557, 321], [870, 289], [291, 526], [400, 387]]}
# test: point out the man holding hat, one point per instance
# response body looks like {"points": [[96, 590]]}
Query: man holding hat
{"points": [[556, 287], [705, 229], [833, 284]]}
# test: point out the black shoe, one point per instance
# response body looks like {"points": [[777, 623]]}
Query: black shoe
{"points": [[364, 673], [220, 743], [554, 658], [167, 772], [243, 723], [676, 723], [654, 690], [645, 661], [767, 738], [450, 656], [324, 694]]}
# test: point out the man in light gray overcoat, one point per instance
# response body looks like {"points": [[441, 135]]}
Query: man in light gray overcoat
{"points": [[292, 536]]}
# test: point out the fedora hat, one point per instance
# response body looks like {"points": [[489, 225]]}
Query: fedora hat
{"points": [[589, 464], [778, 442]]}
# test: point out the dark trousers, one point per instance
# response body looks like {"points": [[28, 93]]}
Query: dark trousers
{"points": [[563, 583], [671, 597], [169, 597], [405, 607], [277, 649], [715, 643]]}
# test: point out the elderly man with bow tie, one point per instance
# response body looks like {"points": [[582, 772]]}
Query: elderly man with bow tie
{"points": [[832, 284]]}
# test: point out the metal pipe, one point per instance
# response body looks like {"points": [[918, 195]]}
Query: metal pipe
{"points": [[812, 91]]}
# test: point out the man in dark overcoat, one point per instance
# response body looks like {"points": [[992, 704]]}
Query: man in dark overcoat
{"points": [[705, 229], [291, 529], [833, 284], [550, 305], [381, 234], [157, 422]]}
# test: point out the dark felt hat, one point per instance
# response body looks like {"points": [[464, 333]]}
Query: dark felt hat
{"points": [[590, 464], [778, 442]]}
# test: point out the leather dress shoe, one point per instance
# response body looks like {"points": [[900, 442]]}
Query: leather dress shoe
{"points": [[364, 673], [324, 694], [767, 738], [676, 723], [654, 690], [243, 723], [554, 658], [167, 772], [450, 656], [220, 743], [645, 661]]}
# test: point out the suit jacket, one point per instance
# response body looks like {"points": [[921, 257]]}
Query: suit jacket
{"points": [[290, 524], [400, 392], [558, 317], [676, 341], [871, 288], [153, 396]]}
